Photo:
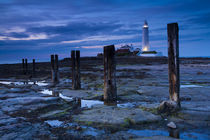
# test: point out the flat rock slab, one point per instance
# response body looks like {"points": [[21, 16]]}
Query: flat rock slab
{"points": [[195, 115], [115, 116], [83, 94], [29, 100]]}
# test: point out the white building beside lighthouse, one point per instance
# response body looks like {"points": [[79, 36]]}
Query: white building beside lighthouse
{"points": [[145, 37]]}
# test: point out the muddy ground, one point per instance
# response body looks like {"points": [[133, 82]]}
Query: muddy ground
{"points": [[31, 107]]}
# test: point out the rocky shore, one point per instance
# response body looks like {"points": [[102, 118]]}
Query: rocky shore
{"points": [[31, 107]]}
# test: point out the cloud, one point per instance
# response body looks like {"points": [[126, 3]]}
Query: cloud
{"points": [[57, 26], [15, 30], [101, 38], [30, 37], [91, 47]]}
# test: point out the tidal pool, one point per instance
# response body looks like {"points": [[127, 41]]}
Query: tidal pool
{"points": [[54, 123], [181, 135], [90, 103], [39, 83], [190, 86]]}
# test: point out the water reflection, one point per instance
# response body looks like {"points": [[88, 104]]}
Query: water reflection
{"points": [[90, 103], [47, 91], [148, 133], [87, 103], [174, 133], [189, 86], [56, 94], [54, 123], [127, 105], [65, 97]]}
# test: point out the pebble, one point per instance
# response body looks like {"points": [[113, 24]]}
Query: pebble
{"points": [[78, 128], [172, 125], [140, 91]]}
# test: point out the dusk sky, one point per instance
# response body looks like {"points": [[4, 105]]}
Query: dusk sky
{"points": [[37, 28]]}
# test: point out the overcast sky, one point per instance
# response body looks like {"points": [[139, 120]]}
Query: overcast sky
{"points": [[37, 28]]}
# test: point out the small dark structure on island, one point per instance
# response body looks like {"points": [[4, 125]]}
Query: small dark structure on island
{"points": [[55, 69], [110, 89], [76, 82]]}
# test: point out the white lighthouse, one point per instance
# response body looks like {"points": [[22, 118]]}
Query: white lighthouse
{"points": [[145, 37]]}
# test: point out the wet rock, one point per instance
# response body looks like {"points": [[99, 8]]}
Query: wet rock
{"points": [[23, 103], [168, 107], [116, 116], [171, 125], [30, 100], [35, 87], [185, 98], [3, 90], [74, 93], [51, 114], [120, 135], [24, 130], [199, 73], [19, 90], [195, 115], [83, 94], [8, 121]]}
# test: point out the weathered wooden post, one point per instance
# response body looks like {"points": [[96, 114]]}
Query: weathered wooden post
{"points": [[78, 81], [173, 62], [23, 66], [110, 89], [56, 70], [73, 69], [52, 68], [26, 66], [34, 68]]}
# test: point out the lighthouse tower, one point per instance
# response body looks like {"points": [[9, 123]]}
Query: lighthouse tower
{"points": [[145, 37]]}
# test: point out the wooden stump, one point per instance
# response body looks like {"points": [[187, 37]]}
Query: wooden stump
{"points": [[52, 68], [23, 66], [173, 62], [75, 60], [78, 81], [56, 69], [34, 68], [110, 89], [26, 66], [73, 74]]}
